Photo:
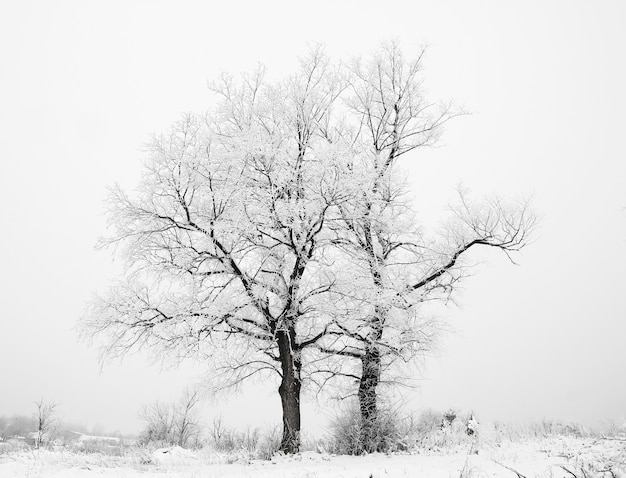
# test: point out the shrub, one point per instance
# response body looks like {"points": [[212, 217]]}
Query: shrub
{"points": [[435, 431], [448, 418], [390, 432], [172, 423], [252, 442], [428, 423]]}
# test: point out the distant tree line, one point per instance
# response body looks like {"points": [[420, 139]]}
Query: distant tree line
{"points": [[44, 427]]}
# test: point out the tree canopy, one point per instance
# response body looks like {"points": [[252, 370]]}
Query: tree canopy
{"points": [[272, 234]]}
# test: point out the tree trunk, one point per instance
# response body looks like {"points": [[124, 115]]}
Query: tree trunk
{"points": [[289, 390], [370, 376], [370, 361]]}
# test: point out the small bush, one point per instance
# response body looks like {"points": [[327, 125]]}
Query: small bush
{"points": [[175, 423], [448, 418], [252, 442], [346, 433], [269, 444], [12, 446], [437, 432], [428, 423]]}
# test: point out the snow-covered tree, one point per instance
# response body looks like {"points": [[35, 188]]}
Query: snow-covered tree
{"points": [[226, 239], [271, 235], [394, 267], [46, 421], [175, 423]]}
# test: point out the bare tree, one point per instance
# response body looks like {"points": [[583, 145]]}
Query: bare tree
{"points": [[188, 427], [47, 422], [225, 243], [159, 419], [270, 235], [174, 423], [394, 267]]}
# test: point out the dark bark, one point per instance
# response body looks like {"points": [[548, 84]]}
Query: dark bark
{"points": [[289, 390], [370, 376], [371, 359]]}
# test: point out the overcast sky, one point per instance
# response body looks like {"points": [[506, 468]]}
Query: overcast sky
{"points": [[84, 83]]}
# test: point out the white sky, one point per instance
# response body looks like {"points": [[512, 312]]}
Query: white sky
{"points": [[83, 84]]}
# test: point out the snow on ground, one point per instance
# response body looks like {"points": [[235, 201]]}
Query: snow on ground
{"points": [[548, 458]]}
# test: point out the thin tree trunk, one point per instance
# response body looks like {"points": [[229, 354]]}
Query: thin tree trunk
{"points": [[371, 361], [370, 376], [289, 391]]}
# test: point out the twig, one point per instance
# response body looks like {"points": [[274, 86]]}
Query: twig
{"points": [[569, 471], [519, 475]]}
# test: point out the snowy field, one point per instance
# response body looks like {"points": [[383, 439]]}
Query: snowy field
{"points": [[553, 457]]}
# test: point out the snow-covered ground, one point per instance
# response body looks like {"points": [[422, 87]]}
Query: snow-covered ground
{"points": [[554, 457]]}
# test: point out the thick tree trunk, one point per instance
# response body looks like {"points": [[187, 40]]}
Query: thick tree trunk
{"points": [[370, 376], [289, 391]]}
